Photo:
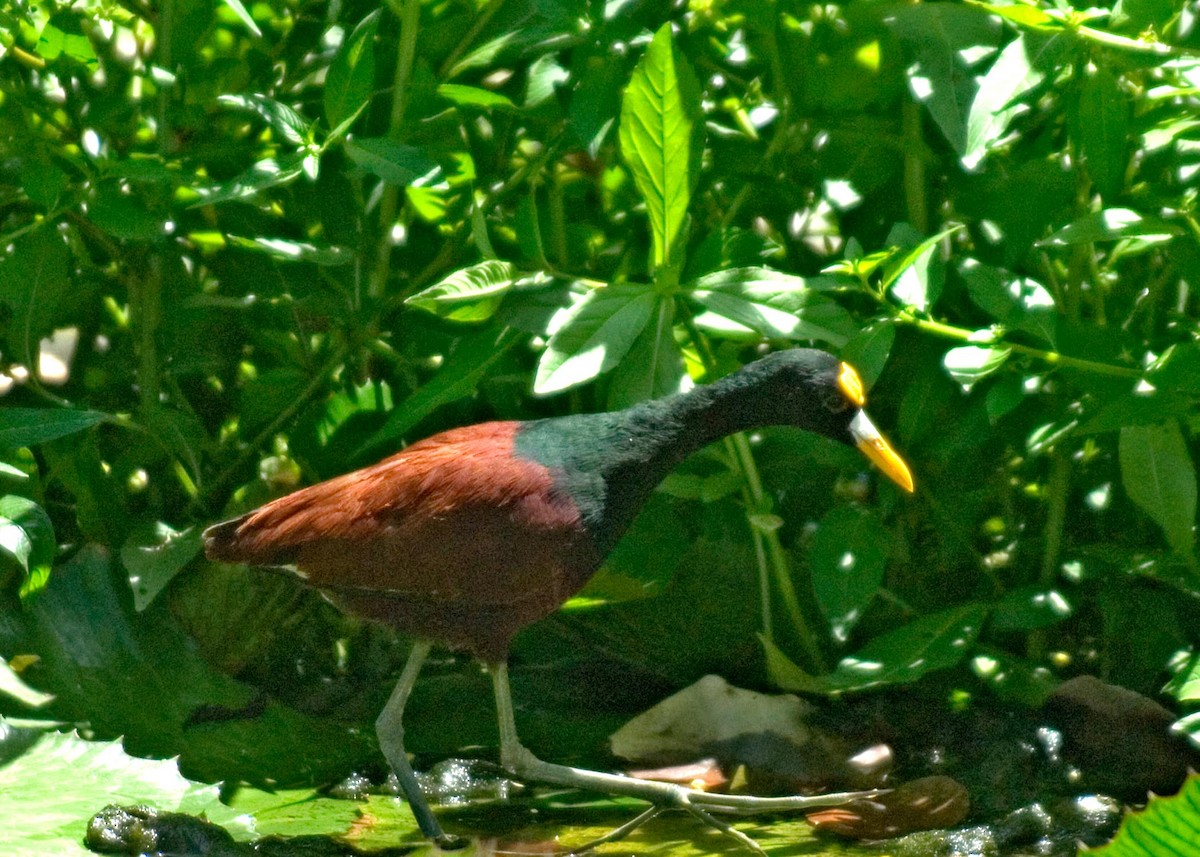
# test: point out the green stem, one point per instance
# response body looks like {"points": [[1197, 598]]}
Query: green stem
{"points": [[914, 166], [481, 20], [946, 331], [315, 384], [409, 12], [772, 560], [1058, 488]]}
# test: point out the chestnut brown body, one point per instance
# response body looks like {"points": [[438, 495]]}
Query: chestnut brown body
{"points": [[455, 539]]}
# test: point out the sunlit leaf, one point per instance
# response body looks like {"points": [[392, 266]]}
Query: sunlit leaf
{"points": [[27, 535], [1016, 71], [286, 250], [261, 176], [473, 96], [772, 304], [595, 335], [470, 294], [1112, 224], [661, 138], [1159, 476], [12, 686], [284, 120], [909, 274], [940, 35], [63, 35], [46, 812], [1167, 827], [970, 364], [238, 9]]}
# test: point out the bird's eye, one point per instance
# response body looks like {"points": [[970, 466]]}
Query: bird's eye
{"points": [[835, 401]]}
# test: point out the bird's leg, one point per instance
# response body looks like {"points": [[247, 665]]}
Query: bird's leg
{"points": [[520, 762], [525, 766], [389, 728]]}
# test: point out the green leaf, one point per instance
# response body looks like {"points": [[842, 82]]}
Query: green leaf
{"points": [[1159, 476], [27, 535], [103, 663], [1177, 369], [124, 215], [153, 559], [868, 352], [63, 34], [467, 364], [286, 250], [265, 174], [1029, 608], [471, 294], [31, 426], [1014, 73], [1016, 303], [970, 364], [35, 281], [933, 642], [473, 96], [772, 304], [909, 274], [13, 687], [395, 163], [1102, 129], [46, 812], [847, 558], [1167, 827], [1022, 14], [1112, 224], [593, 337], [287, 123], [939, 36], [661, 138], [238, 9], [350, 81], [653, 368]]}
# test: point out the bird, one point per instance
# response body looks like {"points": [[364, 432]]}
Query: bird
{"points": [[464, 538]]}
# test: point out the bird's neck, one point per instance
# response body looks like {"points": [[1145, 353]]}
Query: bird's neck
{"points": [[611, 462]]}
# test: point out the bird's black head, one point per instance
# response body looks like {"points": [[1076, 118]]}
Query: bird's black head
{"points": [[814, 390]]}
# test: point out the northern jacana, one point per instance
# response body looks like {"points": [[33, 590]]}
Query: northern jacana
{"points": [[468, 536]]}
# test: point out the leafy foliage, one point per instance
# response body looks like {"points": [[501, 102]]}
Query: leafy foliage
{"points": [[1168, 826], [45, 813], [248, 247]]}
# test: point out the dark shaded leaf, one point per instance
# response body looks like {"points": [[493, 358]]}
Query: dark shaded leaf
{"points": [[1159, 476], [350, 82], [31, 426], [933, 642]]}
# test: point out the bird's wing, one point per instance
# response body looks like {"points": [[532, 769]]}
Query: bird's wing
{"points": [[433, 479]]}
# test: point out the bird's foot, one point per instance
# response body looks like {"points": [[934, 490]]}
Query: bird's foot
{"points": [[527, 768], [450, 842]]}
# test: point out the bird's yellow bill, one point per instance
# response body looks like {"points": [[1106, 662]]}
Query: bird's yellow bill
{"points": [[873, 445]]}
